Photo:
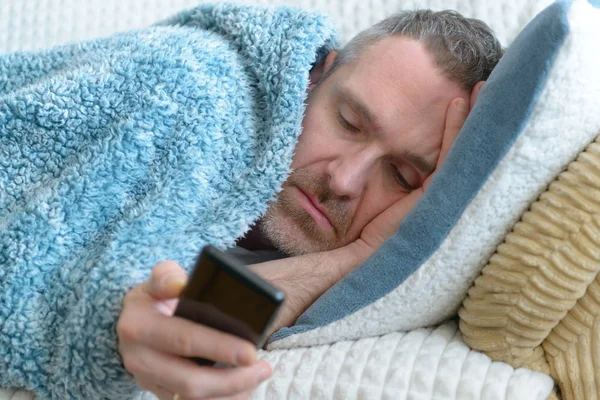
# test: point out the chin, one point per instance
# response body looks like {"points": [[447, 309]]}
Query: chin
{"points": [[291, 236]]}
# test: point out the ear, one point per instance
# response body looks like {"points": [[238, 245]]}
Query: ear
{"points": [[321, 69], [475, 93]]}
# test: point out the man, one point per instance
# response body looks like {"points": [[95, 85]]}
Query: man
{"points": [[381, 116]]}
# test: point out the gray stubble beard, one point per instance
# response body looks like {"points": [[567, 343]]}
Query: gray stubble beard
{"points": [[292, 230]]}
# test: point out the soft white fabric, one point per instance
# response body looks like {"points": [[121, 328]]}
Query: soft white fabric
{"points": [[422, 364], [419, 365], [32, 24], [564, 121]]}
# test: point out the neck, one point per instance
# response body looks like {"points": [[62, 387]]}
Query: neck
{"points": [[254, 240]]}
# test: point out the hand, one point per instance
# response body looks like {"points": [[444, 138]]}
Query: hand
{"points": [[304, 278], [155, 346], [385, 224], [301, 278]]}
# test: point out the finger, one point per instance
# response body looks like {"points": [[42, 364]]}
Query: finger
{"points": [[191, 381], [240, 396], [167, 307], [397, 212], [475, 93], [167, 281], [185, 338], [262, 371], [455, 118], [158, 391]]}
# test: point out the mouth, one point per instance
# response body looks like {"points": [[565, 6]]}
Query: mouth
{"points": [[311, 205]]}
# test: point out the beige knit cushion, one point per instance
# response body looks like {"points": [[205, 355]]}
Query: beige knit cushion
{"points": [[537, 302], [573, 348]]}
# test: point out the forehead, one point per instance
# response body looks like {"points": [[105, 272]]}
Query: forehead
{"points": [[402, 69], [397, 79]]}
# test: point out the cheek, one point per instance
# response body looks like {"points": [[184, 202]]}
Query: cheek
{"points": [[375, 201], [313, 142]]}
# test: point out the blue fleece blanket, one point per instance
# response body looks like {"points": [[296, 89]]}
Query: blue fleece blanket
{"points": [[121, 152]]}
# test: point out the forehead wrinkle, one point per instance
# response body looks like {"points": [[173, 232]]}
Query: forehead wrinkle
{"points": [[398, 92]]}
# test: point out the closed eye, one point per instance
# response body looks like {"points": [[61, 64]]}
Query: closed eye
{"points": [[402, 181], [347, 125]]}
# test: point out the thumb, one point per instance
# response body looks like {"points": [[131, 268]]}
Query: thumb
{"points": [[457, 113], [167, 281]]}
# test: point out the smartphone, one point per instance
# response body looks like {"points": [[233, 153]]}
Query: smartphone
{"points": [[224, 294]]}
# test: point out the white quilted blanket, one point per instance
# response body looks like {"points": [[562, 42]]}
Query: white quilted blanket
{"points": [[422, 364]]}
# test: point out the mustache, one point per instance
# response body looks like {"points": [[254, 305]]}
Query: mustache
{"points": [[336, 207]]}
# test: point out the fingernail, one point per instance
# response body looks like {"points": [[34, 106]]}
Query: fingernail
{"points": [[174, 283], [243, 358], [461, 105], [263, 374]]}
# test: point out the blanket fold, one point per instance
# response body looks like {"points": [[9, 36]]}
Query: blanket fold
{"points": [[120, 152]]}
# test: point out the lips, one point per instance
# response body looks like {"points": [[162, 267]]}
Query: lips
{"points": [[312, 206]]}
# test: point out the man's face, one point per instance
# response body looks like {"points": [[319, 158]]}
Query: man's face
{"points": [[372, 133]]}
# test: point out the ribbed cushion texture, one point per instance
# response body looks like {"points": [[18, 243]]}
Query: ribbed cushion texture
{"points": [[537, 302]]}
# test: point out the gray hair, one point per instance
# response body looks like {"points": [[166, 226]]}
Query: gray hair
{"points": [[465, 49]]}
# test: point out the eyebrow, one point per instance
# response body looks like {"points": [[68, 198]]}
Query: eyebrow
{"points": [[364, 111], [422, 164], [371, 119]]}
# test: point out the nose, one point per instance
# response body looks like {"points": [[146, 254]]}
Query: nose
{"points": [[349, 172]]}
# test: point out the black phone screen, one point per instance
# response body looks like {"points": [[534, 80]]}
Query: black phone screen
{"points": [[223, 294]]}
